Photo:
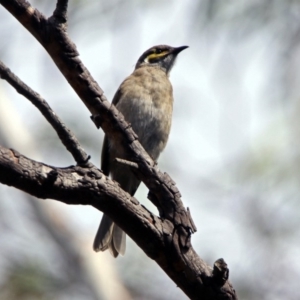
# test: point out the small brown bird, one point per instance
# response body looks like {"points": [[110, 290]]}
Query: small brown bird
{"points": [[145, 98]]}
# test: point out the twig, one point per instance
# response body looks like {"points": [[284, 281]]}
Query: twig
{"points": [[128, 163], [60, 11], [65, 134]]}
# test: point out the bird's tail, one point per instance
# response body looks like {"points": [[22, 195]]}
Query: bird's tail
{"points": [[110, 236]]}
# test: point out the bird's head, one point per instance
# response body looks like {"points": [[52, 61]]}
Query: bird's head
{"points": [[161, 56]]}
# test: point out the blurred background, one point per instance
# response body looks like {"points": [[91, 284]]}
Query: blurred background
{"points": [[234, 149]]}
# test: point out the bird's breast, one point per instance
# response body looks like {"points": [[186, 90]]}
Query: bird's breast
{"points": [[146, 101]]}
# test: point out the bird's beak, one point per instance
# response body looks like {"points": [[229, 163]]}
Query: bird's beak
{"points": [[179, 49]]}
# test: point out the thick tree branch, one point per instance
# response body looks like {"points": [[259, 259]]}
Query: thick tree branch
{"points": [[157, 237], [65, 134]]}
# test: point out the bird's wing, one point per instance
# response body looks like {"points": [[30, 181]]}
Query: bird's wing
{"points": [[117, 97], [105, 148], [105, 157]]}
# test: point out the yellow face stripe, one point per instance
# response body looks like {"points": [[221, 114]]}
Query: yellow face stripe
{"points": [[156, 55]]}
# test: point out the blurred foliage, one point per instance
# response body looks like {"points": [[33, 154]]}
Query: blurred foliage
{"points": [[29, 281]]}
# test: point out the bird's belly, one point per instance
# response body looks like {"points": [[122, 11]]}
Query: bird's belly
{"points": [[150, 122]]}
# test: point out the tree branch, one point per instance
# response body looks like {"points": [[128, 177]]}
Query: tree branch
{"points": [[157, 237], [65, 134]]}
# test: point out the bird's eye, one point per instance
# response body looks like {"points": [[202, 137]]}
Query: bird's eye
{"points": [[158, 51]]}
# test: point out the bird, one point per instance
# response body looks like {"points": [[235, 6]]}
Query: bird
{"points": [[145, 98]]}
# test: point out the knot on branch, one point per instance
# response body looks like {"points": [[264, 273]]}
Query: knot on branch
{"points": [[220, 272], [51, 178], [85, 163], [97, 120], [184, 237]]}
